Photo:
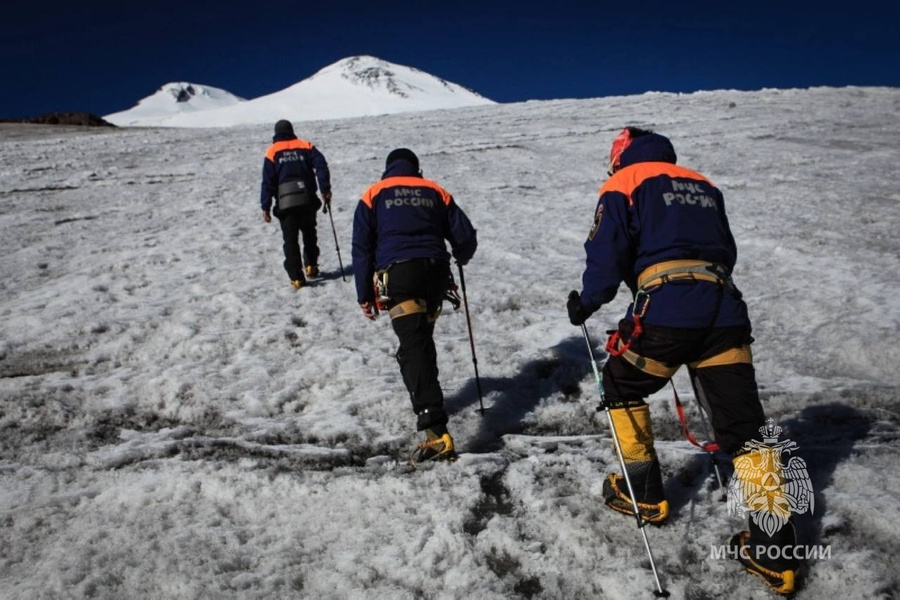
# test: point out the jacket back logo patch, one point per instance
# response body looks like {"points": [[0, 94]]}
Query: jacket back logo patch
{"points": [[598, 216], [290, 156], [408, 197]]}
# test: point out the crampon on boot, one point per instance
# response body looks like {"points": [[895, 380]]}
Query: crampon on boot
{"points": [[763, 548], [437, 447], [615, 492], [635, 434], [754, 550], [781, 578]]}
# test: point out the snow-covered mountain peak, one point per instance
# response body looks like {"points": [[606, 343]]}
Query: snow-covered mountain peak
{"points": [[374, 74], [185, 92], [351, 87], [377, 74], [172, 99], [353, 66]]}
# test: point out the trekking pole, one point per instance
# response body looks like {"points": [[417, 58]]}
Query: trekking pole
{"points": [[340, 262], [462, 284], [698, 394], [660, 592]]}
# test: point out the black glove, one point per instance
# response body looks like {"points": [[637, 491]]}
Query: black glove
{"points": [[452, 294], [577, 313]]}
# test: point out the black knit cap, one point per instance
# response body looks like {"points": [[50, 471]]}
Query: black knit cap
{"points": [[402, 154], [284, 127]]}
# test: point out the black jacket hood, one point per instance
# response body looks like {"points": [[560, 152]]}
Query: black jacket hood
{"points": [[648, 148], [401, 168]]}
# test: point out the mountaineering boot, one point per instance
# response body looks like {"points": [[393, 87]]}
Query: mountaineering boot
{"points": [[312, 271], [615, 492], [437, 446], [766, 550], [296, 283], [636, 440], [754, 550]]}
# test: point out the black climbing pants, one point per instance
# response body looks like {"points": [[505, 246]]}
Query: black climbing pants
{"points": [[728, 391], [295, 222], [426, 280]]}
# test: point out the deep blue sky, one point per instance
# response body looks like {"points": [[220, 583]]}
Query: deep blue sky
{"points": [[104, 56]]}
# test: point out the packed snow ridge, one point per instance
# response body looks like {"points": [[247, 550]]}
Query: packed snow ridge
{"points": [[358, 86]]}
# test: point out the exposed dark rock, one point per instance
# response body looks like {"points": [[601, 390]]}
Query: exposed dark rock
{"points": [[75, 118], [183, 94]]}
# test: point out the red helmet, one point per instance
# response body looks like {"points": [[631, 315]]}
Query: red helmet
{"points": [[622, 141]]}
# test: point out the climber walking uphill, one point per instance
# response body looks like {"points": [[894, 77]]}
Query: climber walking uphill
{"points": [[662, 229], [401, 265], [291, 169]]}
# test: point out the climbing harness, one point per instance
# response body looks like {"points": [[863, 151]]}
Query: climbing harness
{"points": [[650, 280]]}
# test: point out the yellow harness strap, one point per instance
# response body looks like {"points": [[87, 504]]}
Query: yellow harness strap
{"points": [[732, 356], [677, 269], [408, 307], [647, 365], [413, 306]]}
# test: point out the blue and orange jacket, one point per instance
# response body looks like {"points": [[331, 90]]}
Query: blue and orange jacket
{"points": [[404, 217], [651, 211], [292, 159]]}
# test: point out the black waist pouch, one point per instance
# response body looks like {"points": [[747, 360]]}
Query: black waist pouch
{"points": [[293, 194]]}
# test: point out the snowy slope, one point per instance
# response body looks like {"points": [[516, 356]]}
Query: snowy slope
{"points": [[177, 422], [174, 99], [352, 87]]}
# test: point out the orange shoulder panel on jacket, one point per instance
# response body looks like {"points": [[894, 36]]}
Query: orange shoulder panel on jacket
{"points": [[629, 178], [287, 145], [369, 196]]}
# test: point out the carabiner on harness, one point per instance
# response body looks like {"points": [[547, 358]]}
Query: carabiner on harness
{"points": [[638, 310]]}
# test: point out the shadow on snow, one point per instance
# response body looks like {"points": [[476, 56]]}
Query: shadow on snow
{"points": [[509, 400]]}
